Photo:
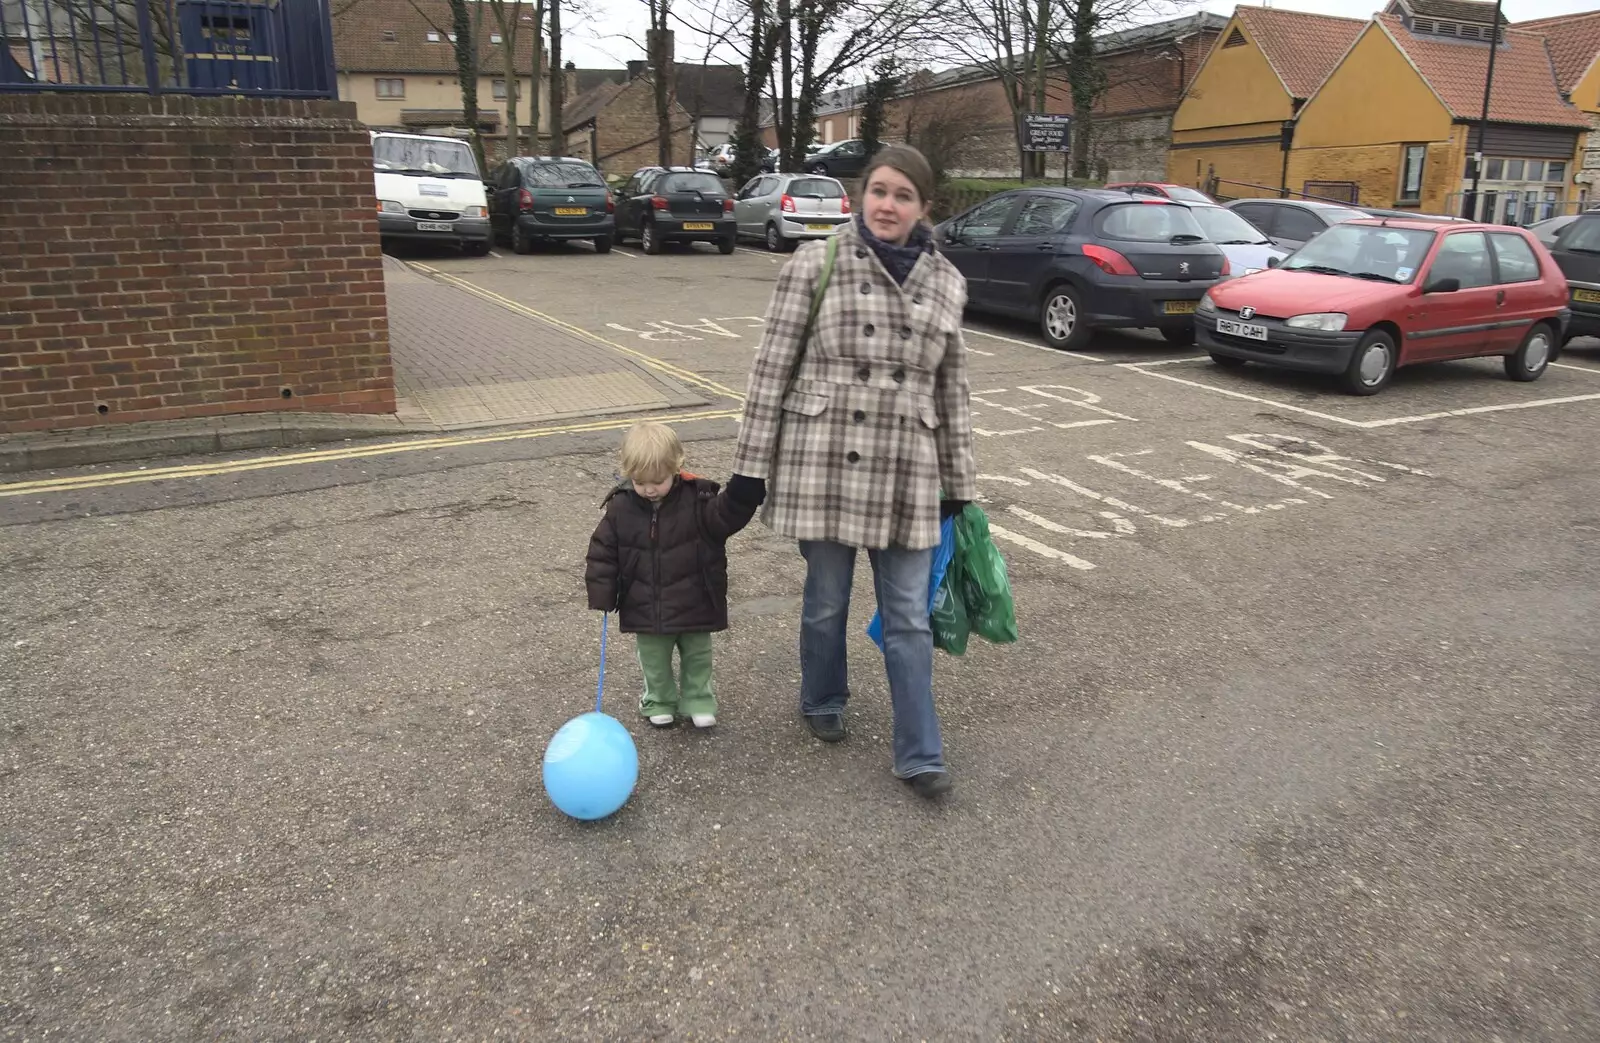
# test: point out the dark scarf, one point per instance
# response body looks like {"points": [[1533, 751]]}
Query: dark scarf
{"points": [[899, 260]]}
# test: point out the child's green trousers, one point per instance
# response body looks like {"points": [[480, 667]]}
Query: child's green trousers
{"points": [[685, 695]]}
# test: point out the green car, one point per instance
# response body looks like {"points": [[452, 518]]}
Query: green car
{"points": [[533, 198]]}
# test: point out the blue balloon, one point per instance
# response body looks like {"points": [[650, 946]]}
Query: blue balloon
{"points": [[591, 766]]}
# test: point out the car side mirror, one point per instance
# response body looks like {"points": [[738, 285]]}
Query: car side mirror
{"points": [[1273, 262], [1442, 286]]}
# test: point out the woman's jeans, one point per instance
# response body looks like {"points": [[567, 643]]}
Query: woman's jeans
{"points": [[900, 578]]}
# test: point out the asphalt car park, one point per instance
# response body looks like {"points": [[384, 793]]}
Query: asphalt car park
{"points": [[1297, 743]]}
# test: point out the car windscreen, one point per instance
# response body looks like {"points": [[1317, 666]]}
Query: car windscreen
{"points": [[563, 175], [1225, 226], [1376, 252], [705, 184], [1186, 195], [1583, 236], [816, 188], [1334, 215], [1149, 223], [393, 154]]}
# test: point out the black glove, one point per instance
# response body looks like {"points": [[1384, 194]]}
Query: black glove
{"points": [[951, 508], [747, 491]]}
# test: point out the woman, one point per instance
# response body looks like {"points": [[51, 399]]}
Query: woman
{"points": [[858, 428]]}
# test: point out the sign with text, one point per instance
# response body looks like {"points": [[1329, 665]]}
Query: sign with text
{"points": [[1045, 133]]}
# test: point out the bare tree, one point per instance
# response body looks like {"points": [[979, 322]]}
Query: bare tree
{"points": [[1083, 23], [1008, 40], [508, 18], [941, 124], [558, 85]]}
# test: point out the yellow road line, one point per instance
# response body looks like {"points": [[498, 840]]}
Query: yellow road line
{"points": [[678, 372], [156, 474]]}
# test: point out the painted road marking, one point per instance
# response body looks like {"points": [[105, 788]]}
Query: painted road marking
{"points": [[156, 474], [1367, 425], [1041, 549], [1030, 344], [661, 365]]}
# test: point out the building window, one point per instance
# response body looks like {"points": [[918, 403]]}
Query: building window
{"points": [[1415, 158], [495, 38], [391, 88], [1556, 171], [1235, 39], [390, 36], [452, 37], [499, 90], [433, 37]]}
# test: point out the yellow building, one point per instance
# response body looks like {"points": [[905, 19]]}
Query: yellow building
{"points": [[1232, 120], [1395, 118], [1574, 44], [396, 61]]}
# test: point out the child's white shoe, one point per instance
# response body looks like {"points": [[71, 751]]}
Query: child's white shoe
{"points": [[703, 720], [661, 720]]}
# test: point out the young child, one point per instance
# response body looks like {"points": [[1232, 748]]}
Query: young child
{"points": [[658, 558]]}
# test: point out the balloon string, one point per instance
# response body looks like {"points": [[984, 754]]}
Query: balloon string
{"points": [[600, 688]]}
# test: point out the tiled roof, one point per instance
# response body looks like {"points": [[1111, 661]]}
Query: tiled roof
{"points": [[1301, 48], [587, 106], [1574, 43], [589, 79], [1456, 10], [1524, 89], [360, 28]]}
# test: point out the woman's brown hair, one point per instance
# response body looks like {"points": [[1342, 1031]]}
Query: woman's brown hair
{"points": [[908, 161]]}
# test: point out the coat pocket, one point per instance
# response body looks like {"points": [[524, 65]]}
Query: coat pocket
{"points": [[928, 414], [806, 403]]}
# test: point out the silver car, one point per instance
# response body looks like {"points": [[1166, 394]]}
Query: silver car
{"points": [[783, 210]]}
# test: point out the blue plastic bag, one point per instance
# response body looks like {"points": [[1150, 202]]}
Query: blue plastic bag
{"points": [[942, 555]]}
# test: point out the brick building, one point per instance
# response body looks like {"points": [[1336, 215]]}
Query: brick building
{"points": [[1147, 70], [1574, 44], [614, 126], [397, 63], [712, 95]]}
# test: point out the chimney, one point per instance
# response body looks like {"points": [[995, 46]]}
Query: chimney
{"points": [[569, 81], [636, 69], [659, 44]]}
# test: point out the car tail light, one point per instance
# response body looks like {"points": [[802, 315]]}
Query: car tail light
{"points": [[1154, 202], [1107, 260], [727, 206], [786, 204], [1227, 269], [659, 203], [844, 204], [611, 205], [524, 200]]}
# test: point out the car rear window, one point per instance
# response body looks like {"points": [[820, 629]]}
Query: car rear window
{"points": [[1187, 195], [1584, 234], [1148, 222], [707, 184], [816, 188], [564, 175]]}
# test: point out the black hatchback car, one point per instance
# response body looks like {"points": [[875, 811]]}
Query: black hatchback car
{"points": [[1081, 260], [1577, 252], [662, 205], [549, 197]]}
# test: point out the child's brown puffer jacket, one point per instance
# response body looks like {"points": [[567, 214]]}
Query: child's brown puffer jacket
{"points": [[664, 567]]}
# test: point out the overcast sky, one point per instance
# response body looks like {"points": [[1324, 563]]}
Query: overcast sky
{"points": [[612, 33]]}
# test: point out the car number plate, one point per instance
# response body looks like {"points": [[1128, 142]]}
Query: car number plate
{"points": [[1586, 296], [819, 228], [1179, 307], [1248, 330], [434, 226], [697, 226], [572, 211]]}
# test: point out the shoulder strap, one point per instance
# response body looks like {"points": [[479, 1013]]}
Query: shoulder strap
{"points": [[822, 285]]}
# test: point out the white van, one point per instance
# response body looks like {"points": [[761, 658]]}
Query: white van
{"points": [[430, 190]]}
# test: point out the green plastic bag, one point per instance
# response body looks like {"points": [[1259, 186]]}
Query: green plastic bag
{"points": [[950, 625], [980, 573]]}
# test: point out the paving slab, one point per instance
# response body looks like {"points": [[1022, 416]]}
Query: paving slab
{"points": [[460, 362]]}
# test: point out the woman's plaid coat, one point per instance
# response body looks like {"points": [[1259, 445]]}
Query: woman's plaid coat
{"points": [[857, 432]]}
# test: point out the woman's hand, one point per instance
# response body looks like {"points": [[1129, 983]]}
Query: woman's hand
{"points": [[951, 508]]}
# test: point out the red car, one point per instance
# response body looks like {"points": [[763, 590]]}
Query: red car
{"points": [[1364, 298], [1176, 193]]}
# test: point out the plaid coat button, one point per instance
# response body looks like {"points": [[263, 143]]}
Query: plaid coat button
{"points": [[853, 456], [865, 372], [869, 329], [899, 376], [860, 416], [866, 287]]}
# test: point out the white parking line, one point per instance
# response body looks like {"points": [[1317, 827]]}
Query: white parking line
{"points": [[1041, 549], [1581, 369], [1366, 425], [1029, 344]]}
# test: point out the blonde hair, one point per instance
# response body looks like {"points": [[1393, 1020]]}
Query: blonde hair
{"points": [[650, 452]]}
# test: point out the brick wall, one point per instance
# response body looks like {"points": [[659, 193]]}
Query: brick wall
{"points": [[179, 257], [623, 137]]}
